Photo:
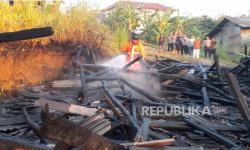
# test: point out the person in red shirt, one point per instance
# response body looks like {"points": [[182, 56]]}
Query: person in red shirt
{"points": [[197, 47]]}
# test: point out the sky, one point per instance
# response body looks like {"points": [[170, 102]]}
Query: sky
{"points": [[212, 8]]}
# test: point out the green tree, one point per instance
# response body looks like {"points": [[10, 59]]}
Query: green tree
{"points": [[194, 26], [122, 17], [155, 25], [122, 21]]}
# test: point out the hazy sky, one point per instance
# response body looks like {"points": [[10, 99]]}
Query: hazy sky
{"points": [[211, 8]]}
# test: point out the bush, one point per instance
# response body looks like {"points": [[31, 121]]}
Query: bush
{"points": [[225, 55], [120, 37], [78, 26]]}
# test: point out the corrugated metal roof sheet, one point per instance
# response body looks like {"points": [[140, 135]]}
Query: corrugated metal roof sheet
{"points": [[138, 5], [243, 22]]}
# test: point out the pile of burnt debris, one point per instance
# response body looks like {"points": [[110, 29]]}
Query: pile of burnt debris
{"points": [[103, 108]]}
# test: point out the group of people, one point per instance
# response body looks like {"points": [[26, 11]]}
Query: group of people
{"points": [[181, 44], [189, 46]]}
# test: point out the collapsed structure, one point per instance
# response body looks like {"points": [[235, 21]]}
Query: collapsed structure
{"points": [[99, 108]]}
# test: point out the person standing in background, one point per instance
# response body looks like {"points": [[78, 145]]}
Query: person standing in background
{"points": [[197, 47], [178, 44], [213, 48], [185, 45], [171, 43], [191, 46], [161, 43], [207, 45]]}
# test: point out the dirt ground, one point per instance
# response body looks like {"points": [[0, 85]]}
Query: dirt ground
{"points": [[28, 67], [151, 52]]}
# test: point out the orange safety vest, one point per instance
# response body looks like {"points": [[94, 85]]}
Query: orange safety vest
{"points": [[134, 50]]}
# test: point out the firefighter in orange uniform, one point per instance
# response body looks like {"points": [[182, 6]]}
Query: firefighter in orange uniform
{"points": [[134, 49]]}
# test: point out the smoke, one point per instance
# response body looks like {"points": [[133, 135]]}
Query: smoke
{"points": [[144, 81], [116, 62]]}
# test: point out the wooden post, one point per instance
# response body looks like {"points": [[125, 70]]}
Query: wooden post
{"points": [[240, 99], [206, 100]]}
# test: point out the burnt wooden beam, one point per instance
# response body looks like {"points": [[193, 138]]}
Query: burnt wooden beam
{"points": [[206, 101], [131, 120], [26, 34], [33, 125], [113, 107], [220, 100], [181, 125], [8, 142], [82, 74], [211, 134], [208, 86], [143, 133], [181, 73], [133, 110], [140, 91], [240, 98]]}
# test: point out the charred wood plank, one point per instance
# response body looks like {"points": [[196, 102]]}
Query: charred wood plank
{"points": [[26, 34], [76, 85], [240, 99], [8, 142], [181, 73], [181, 125], [17, 119], [50, 96], [211, 134], [66, 108]]}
